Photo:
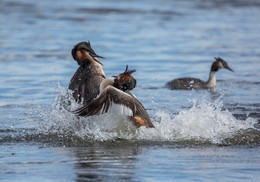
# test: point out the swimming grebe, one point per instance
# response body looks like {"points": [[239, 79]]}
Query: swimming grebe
{"points": [[85, 82], [115, 98], [195, 83]]}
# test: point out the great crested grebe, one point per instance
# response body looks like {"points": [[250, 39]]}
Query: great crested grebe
{"points": [[86, 80], [115, 98], [195, 83]]}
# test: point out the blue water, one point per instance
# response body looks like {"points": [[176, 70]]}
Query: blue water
{"points": [[198, 135]]}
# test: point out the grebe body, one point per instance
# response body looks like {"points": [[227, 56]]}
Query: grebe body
{"points": [[86, 80], [115, 98], [195, 83]]}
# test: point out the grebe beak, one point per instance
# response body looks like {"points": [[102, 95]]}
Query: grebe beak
{"points": [[230, 69], [95, 57], [227, 67]]}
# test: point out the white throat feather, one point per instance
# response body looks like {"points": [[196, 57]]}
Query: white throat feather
{"points": [[212, 80], [106, 82]]}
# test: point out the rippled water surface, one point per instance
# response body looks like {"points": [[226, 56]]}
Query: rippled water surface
{"points": [[198, 135]]}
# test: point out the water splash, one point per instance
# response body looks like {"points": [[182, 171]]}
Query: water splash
{"points": [[60, 120], [205, 121]]}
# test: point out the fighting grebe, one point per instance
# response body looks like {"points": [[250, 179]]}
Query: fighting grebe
{"points": [[195, 83], [85, 82], [115, 98]]}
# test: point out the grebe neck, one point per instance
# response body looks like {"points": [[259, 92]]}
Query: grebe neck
{"points": [[212, 79], [106, 82]]}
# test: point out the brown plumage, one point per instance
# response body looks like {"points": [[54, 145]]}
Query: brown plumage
{"points": [[125, 81]]}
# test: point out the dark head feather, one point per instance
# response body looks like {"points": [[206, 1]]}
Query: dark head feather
{"points": [[219, 59], [129, 72], [87, 47], [218, 64], [125, 81], [81, 45]]}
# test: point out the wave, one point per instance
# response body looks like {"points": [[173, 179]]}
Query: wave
{"points": [[205, 122]]}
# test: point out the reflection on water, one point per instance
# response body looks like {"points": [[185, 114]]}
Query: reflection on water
{"points": [[130, 162], [106, 163], [162, 40]]}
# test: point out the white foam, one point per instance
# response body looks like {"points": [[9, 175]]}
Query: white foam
{"points": [[204, 121], [107, 126]]}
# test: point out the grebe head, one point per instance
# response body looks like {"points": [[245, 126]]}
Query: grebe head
{"points": [[218, 64], [83, 52], [125, 81]]}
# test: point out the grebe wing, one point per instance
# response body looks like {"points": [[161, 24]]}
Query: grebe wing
{"points": [[110, 100]]}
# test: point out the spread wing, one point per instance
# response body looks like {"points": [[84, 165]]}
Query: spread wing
{"points": [[141, 111], [110, 100], [116, 101]]}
